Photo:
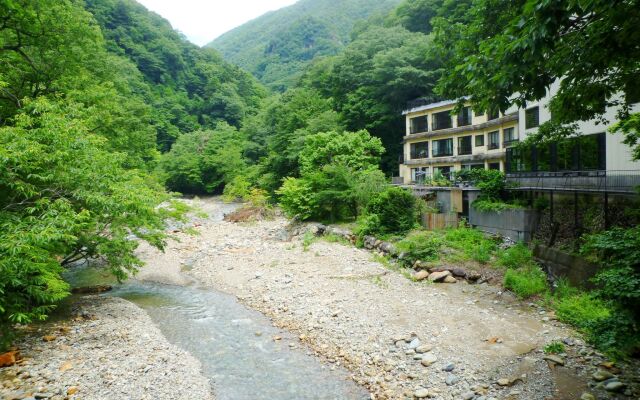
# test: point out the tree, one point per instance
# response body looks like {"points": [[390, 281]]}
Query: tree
{"points": [[64, 197], [510, 52]]}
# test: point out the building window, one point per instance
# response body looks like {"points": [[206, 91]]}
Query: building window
{"points": [[479, 140], [494, 140], [510, 136], [419, 175], [532, 118], [442, 148], [584, 153], [467, 167], [419, 150], [465, 117], [464, 145], [494, 165], [418, 124], [493, 114], [441, 120]]}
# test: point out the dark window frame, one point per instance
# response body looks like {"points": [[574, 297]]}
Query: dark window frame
{"points": [[435, 144], [476, 140], [414, 154], [512, 138], [493, 145], [493, 114], [438, 118], [419, 128], [465, 149], [465, 117], [532, 117]]}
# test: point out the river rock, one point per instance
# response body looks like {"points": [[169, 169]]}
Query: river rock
{"points": [[421, 394], [421, 275], [415, 343], [554, 359], [438, 276], [428, 359], [587, 396], [450, 279], [458, 272], [468, 395], [601, 375], [425, 348], [615, 386], [448, 367], [451, 380]]}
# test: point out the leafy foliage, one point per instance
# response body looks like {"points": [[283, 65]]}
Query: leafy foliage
{"points": [[502, 52], [393, 211], [204, 161], [526, 282]]}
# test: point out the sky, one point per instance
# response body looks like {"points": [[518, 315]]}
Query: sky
{"points": [[204, 20]]}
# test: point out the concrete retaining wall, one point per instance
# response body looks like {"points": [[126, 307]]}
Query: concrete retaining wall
{"points": [[559, 264], [518, 225]]}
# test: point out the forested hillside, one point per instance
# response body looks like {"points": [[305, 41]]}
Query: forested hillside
{"points": [[188, 88], [277, 46], [89, 98]]}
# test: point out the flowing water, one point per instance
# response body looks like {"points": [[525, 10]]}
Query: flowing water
{"points": [[233, 343]]}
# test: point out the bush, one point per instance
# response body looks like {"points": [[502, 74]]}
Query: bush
{"points": [[526, 282], [581, 309], [396, 211], [473, 244], [554, 348], [515, 257], [297, 198], [238, 189], [421, 245]]}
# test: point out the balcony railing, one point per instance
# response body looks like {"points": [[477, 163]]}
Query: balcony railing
{"points": [[493, 146], [510, 142], [447, 153], [615, 181], [464, 150]]}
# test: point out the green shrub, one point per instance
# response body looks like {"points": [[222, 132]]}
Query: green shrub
{"points": [[297, 198], [237, 190], [515, 257], [554, 347], [492, 205], [396, 211], [581, 309], [526, 282], [421, 245], [618, 335], [472, 243]]}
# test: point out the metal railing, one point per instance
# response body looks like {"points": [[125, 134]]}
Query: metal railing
{"points": [[614, 181]]}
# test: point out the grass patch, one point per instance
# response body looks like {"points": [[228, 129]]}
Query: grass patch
{"points": [[515, 257], [554, 347], [333, 238], [307, 240], [526, 282], [420, 245], [581, 310]]}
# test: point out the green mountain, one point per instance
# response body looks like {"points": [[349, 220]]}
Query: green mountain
{"points": [[277, 46], [189, 88]]}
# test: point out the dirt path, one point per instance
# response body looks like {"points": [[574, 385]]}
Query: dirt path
{"points": [[399, 338]]}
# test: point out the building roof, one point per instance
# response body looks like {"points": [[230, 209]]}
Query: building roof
{"points": [[430, 106]]}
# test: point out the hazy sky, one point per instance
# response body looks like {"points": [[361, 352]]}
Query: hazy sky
{"points": [[204, 20]]}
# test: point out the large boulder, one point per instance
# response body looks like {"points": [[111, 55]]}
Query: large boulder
{"points": [[421, 275]]}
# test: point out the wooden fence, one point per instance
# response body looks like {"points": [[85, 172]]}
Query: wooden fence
{"points": [[433, 221]]}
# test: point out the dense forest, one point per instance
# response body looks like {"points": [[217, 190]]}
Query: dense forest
{"points": [[105, 110], [279, 45]]}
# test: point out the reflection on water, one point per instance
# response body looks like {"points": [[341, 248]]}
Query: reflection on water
{"points": [[222, 334]]}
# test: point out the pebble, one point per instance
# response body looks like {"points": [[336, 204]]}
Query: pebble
{"points": [[428, 359], [554, 359], [601, 375], [451, 380], [449, 367], [421, 393], [468, 395], [587, 396], [425, 348], [415, 343]]}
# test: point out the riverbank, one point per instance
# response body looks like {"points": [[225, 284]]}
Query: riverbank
{"points": [[108, 349], [399, 338]]}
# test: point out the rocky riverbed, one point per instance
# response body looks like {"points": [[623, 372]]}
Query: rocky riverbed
{"points": [[399, 338], [108, 349]]}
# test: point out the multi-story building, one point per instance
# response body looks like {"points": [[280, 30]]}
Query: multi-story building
{"points": [[596, 159], [437, 142]]}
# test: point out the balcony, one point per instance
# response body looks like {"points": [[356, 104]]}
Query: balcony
{"points": [[465, 150], [510, 142], [493, 146], [612, 181]]}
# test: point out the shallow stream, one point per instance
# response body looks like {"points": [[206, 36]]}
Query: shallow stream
{"points": [[234, 344]]}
